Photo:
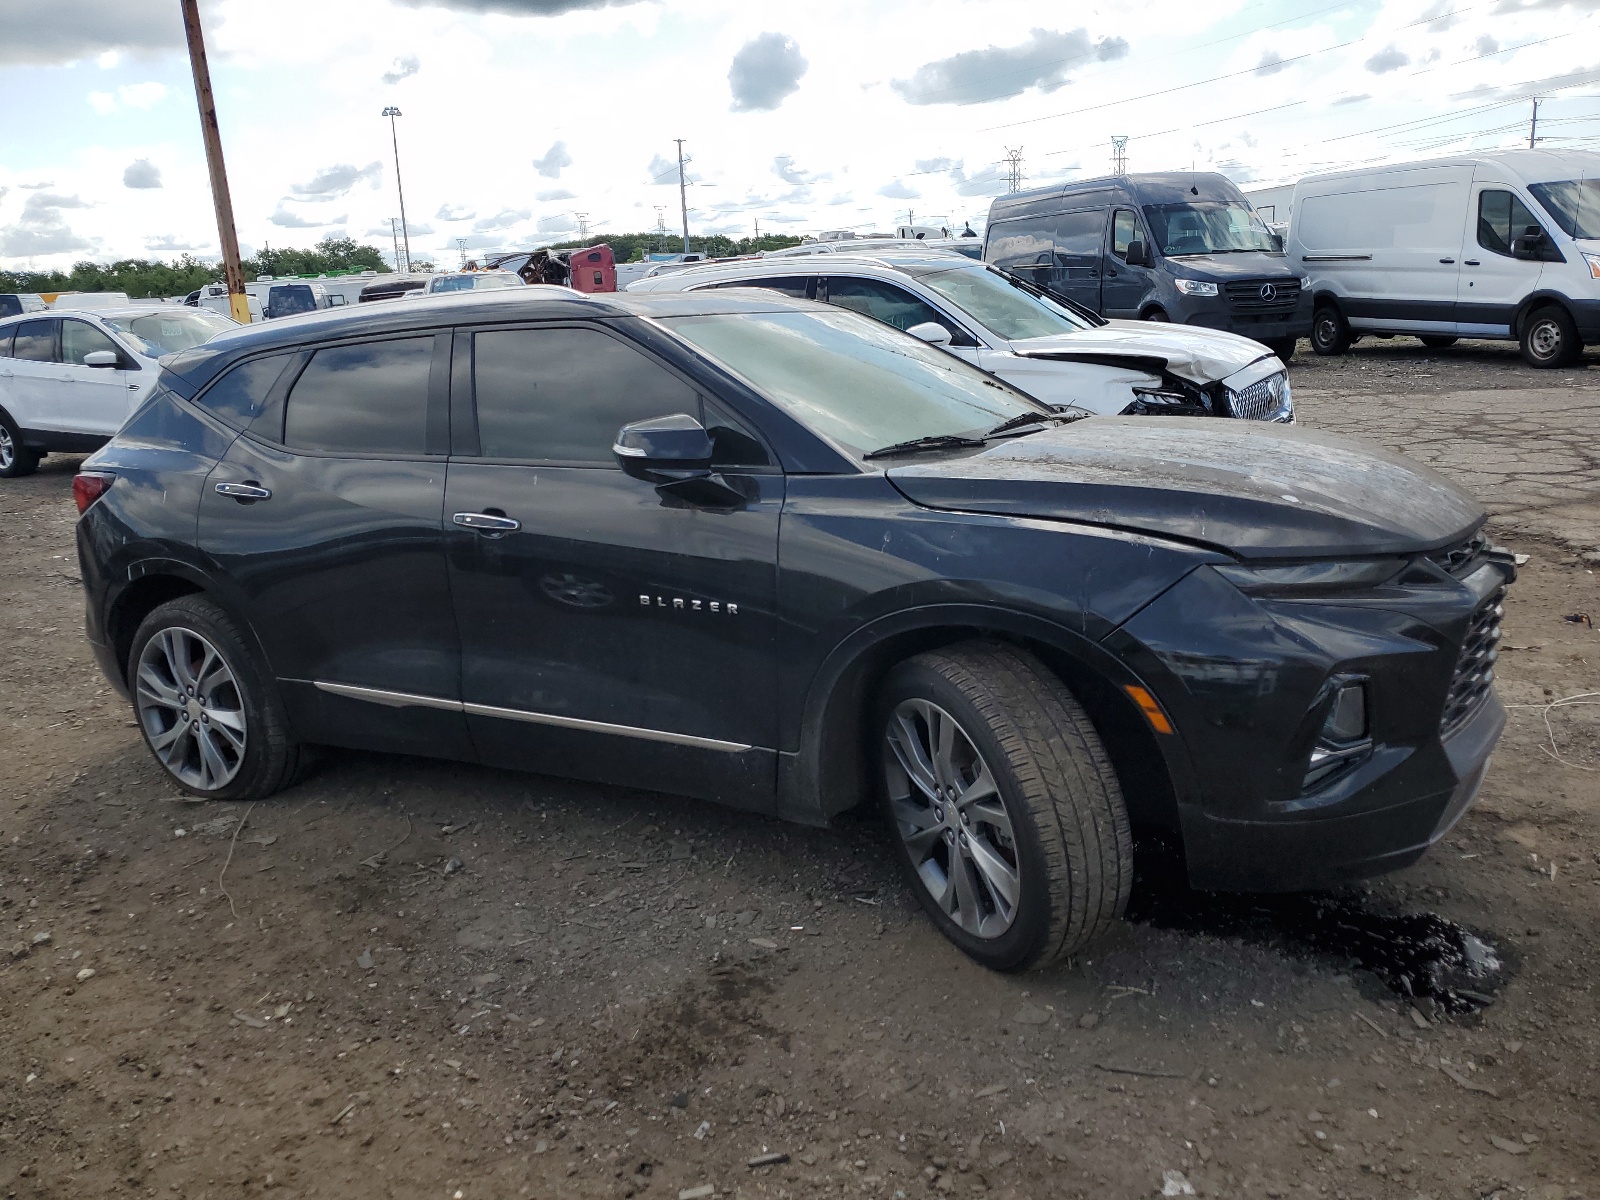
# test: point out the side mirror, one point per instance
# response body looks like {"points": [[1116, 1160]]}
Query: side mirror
{"points": [[1138, 253], [102, 358], [664, 450], [1530, 244], [1277, 242], [931, 332]]}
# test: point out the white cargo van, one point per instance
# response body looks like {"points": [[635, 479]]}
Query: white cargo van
{"points": [[1503, 245]]}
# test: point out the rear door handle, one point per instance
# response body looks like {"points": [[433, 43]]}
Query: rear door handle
{"points": [[1471, 262], [1447, 261], [487, 522], [245, 493]]}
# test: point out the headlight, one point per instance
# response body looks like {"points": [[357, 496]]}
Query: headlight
{"points": [[1594, 265], [1311, 579], [1195, 287]]}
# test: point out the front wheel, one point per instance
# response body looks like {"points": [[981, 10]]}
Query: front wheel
{"points": [[1010, 822], [16, 460], [1550, 339], [1155, 314], [1330, 333], [209, 712], [1437, 341], [1283, 347]]}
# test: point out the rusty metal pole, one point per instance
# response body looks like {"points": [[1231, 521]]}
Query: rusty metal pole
{"points": [[232, 269]]}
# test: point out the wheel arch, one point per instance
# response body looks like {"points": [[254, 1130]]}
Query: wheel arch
{"points": [[1323, 298], [152, 583], [1154, 307], [1534, 302], [831, 771]]}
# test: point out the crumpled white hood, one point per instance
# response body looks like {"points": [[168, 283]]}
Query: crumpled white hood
{"points": [[1192, 352]]}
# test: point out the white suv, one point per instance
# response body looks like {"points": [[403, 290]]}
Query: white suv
{"points": [[1055, 351], [68, 379]]}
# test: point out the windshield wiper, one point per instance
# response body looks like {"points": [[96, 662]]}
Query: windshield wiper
{"points": [[938, 441], [1023, 420]]}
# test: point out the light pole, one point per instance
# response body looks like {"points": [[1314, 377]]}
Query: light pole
{"points": [[392, 112], [683, 196]]}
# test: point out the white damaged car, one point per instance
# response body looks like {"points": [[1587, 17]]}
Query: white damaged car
{"points": [[1057, 353]]}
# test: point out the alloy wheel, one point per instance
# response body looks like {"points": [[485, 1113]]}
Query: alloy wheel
{"points": [[949, 813], [190, 708], [8, 449]]}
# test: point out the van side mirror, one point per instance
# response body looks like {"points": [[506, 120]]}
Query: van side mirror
{"points": [[1139, 254], [102, 358], [1530, 245], [1277, 242], [931, 332]]}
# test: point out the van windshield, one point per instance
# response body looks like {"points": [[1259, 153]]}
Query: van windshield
{"points": [[1573, 204], [1207, 227], [1000, 306]]}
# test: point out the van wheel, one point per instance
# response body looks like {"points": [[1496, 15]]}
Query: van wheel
{"points": [[1549, 338], [1283, 347], [1155, 314], [209, 711], [1330, 332], [16, 460], [1437, 341], [1010, 823]]}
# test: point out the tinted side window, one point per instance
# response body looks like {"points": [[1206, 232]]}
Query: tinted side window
{"points": [[36, 341], [1024, 242], [560, 395], [238, 396], [365, 399], [1501, 217], [798, 286], [883, 301], [1124, 229], [79, 338], [1078, 237], [10, 306], [6, 335]]}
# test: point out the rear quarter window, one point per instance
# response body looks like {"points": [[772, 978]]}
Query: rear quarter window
{"points": [[238, 396]]}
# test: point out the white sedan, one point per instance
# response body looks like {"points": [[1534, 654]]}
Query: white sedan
{"points": [[70, 379]]}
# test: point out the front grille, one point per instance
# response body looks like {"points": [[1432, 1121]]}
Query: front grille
{"points": [[1245, 294], [1261, 401], [1475, 667], [1460, 558]]}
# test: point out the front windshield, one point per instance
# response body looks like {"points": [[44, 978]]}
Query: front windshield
{"points": [[853, 379], [1573, 204], [1207, 227], [505, 280], [168, 333], [1000, 306], [453, 283]]}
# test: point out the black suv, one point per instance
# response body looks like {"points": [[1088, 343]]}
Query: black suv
{"points": [[779, 555]]}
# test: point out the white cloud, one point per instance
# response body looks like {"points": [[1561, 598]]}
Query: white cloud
{"points": [[1045, 60], [404, 67], [332, 182], [504, 219], [767, 69], [169, 243], [898, 190], [1390, 58], [103, 103], [142, 95], [555, 158], [288, 220], [63, 31], [141, 173], [454, 212], [42, 230], [516, 8], [557, 194]]}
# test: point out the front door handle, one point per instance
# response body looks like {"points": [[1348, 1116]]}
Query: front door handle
{"points": [[1471, 262], [488, 522], [244, 493], [1447, 261]]}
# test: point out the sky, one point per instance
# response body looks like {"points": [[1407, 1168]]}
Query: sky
{"points": [[526, 121]]}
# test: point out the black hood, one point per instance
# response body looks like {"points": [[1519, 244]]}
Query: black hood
{"points": [[1258, 491]]}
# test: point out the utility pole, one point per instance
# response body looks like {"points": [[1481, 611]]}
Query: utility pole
{"points": [[683, 196], [1014, 169], [1119, 155], [1533, 125], [758, 231], [392, 112], [232, 269]]}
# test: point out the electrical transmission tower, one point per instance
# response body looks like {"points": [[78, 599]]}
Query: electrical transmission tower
{"points": [[1119, 155], [1014, 169], [583, 227], [461, 249]]}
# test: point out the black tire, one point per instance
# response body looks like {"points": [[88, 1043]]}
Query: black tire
{"points": [[1157, 315], [16, 460], [1437, 341], [1284, 348], [272, 759], [1071, 848], [1549, 338], [1330, 332]]}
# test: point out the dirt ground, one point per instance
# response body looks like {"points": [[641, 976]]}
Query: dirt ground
{"points": [[418, 979]]}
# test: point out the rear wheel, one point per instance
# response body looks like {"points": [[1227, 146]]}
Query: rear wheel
{"points": [[1010, 823], [16, 460], [1283, 347], [1155, 314], [209, 712], [1549, 338], [1330, 332], [1437, 341]]}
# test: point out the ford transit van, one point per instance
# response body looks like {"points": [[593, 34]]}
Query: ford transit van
{"points": [[1503, 245], [1180, 246]]}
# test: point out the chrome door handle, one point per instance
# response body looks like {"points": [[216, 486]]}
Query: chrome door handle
{"points": [[244, 491], [488, 522]]}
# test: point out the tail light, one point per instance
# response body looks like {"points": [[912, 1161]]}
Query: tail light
{"points": [[89, 486]]}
